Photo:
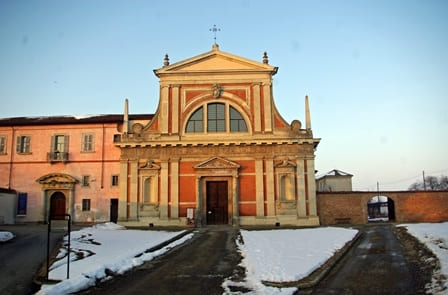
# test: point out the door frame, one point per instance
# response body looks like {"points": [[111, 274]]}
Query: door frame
{"points": [[229, 203], [202, 204], [112, 205]]}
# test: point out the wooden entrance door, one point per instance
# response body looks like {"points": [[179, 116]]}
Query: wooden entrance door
{"points": [[217, 202], [57, 206], [114, 210]]}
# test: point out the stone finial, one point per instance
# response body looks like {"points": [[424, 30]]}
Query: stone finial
{"points": [[307, 114], [166, 61], [126, 116], [215, 46], [265, 58]]}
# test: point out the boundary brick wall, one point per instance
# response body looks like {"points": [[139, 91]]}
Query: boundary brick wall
{"points": [[410, 206]]}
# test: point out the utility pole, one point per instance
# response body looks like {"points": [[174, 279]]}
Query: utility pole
{"points": [[378, 189], [424, 181]]}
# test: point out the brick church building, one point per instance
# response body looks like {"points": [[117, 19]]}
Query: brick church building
{"points": [[217, 151]]}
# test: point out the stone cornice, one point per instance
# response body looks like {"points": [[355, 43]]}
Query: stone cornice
{"points": [[185, 143]]}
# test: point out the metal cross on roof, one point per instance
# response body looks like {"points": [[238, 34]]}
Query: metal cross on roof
{"points": [[214, 30]]}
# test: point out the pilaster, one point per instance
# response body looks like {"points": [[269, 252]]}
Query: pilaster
{"points": [[198, 201], [133, 190], [174, 192], [267, 107], [164, 109], [301, 197], [163, 208], [123, 201], [175, 109], [257, 108], [259, 187], [270, 191], [311, 187], [236, 205]]}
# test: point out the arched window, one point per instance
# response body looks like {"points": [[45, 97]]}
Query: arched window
{"points": [[237, 123], [196, 121], [220, 117]]}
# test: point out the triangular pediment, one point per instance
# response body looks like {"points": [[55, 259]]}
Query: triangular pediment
{"points": [[215, 60], [217, 163]]}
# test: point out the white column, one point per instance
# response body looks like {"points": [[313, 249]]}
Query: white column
{"points": [[164, 110], [163, 207], [133, 190], [259, 187], [301, 198], [198, 201], [270, 192], [174, 180], [236, 204], [122, 206], [175, 109], [311, 187], [267, 107], [257, 108]]}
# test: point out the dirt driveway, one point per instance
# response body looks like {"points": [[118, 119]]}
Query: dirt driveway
{"points": [[379, 263], [386, 260], [21, 257], [198, 267]]}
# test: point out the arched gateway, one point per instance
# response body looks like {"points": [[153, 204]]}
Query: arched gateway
{"points": [[57, 194]]}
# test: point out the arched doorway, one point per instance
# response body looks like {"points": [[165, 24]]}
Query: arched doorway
{"points": [[57, 205], [380, 208]]}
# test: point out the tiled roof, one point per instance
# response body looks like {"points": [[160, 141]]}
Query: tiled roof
{"points": [[85, 119]]}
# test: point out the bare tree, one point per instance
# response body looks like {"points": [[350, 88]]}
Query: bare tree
{"points": [[432, 183]]}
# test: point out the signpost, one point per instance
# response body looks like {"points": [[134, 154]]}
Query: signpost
{"points": [[69, 221]]}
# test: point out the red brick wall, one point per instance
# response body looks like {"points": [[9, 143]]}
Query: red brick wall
{"points": [[410, 206]]}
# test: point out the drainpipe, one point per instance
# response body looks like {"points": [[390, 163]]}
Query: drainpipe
{"points": [[11, 157]]}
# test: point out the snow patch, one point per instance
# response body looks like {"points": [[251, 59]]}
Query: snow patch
{"points": [[5, 236]]}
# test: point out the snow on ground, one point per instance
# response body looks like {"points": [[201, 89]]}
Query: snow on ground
{"points": [[103, 249], [435, 237], [286, 255], [5, 236], [268, 255]]}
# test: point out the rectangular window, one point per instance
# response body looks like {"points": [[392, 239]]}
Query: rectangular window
{"points": [[85, 204], [114, 180], [2, 144], [87, 142], [85, 180], [23, 144], [21, 203]]}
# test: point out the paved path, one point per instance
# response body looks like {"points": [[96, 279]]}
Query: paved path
{"points": [[377, 265], [22, 256], [198, 267]]}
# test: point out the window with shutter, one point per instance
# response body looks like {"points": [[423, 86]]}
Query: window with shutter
{"points": [[2, 144], [87, 142], [23, 144]]}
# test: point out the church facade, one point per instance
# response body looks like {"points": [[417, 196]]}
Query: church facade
{"points": [[217, 151]]}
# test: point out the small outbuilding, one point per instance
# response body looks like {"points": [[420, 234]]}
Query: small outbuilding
{"points": [[8, 205], [334, 181]]}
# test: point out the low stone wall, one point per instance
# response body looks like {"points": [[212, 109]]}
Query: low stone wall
{"points": [[410, 206]]}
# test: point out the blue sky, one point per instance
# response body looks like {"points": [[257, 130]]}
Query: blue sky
{"points": [[376, 71]]}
